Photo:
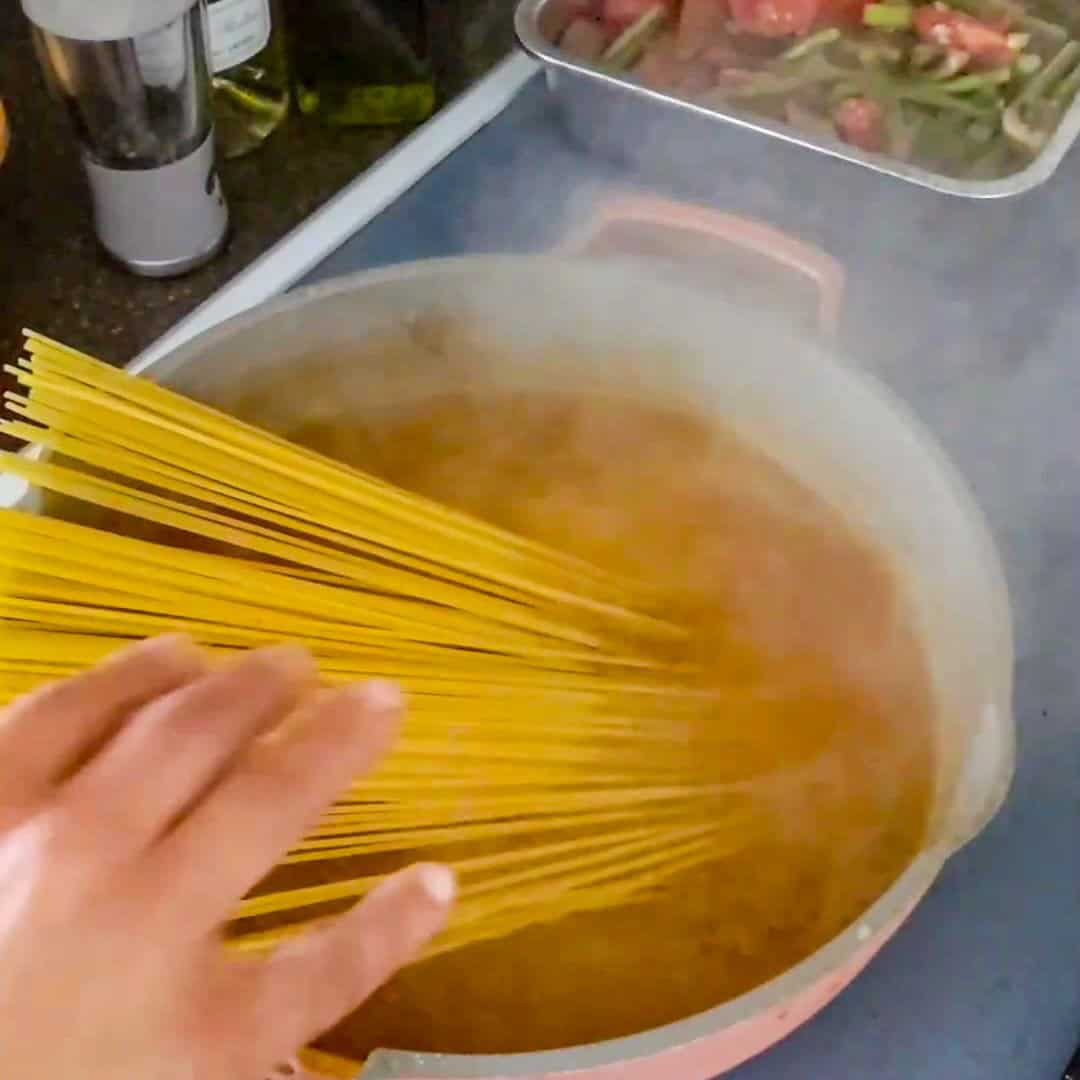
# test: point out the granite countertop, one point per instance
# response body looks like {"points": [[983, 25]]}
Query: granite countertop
{"points": [[53, 275]]}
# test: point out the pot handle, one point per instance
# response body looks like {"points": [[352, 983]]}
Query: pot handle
{"points": [[826, 273]]}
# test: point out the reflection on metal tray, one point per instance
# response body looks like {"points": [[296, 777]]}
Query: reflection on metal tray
{"points": [[621, 118]]}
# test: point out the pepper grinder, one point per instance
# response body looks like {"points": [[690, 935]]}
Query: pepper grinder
{"points": [[135, 80]]}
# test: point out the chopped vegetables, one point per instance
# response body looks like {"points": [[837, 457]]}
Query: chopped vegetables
{"points": [[632, 42], [809, 44], [969, 87], [699, 20], [888, 16], [622, 14], [956, 30], [861, 122], [774, 18], [1030, 118], [841, 12]]}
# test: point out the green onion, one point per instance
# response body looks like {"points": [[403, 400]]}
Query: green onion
{"points": [[872, 53], [1060, 64], [631, 43], [965, 84], [812, 43], [1066, 90], [887, 16], [1028, 63], [843, 90], [932, 94]]}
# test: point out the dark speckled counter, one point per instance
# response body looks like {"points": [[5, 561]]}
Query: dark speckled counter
{"points": [[54, 277]]}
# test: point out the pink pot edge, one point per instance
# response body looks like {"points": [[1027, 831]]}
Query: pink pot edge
{"points": [[702, 1047]]}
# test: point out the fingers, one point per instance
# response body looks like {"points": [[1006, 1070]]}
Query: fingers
{"points": [[44, 735], [275, 790], [160, 762], [311, 983]]}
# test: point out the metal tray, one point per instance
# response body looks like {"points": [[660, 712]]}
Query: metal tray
{"points": [[620, 117]]}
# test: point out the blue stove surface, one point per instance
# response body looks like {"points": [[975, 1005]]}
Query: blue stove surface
{"points": [[970, 311]]}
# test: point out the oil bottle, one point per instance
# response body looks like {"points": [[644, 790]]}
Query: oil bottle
{"points": [[362, 62], [250, 71]]}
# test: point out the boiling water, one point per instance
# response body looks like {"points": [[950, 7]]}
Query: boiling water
{"points": [[772, 582], [778, 591]]}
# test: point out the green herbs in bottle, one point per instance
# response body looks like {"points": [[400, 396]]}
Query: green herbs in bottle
{"points": [[362, 62]]}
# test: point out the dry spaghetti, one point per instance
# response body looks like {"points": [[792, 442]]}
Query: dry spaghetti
{"points": [[553, 749]]}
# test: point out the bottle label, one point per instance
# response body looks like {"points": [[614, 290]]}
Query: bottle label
{"points": [[162, 55], [239, 30]]}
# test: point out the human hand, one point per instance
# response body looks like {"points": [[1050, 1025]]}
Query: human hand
{"points": [[138, 802]]}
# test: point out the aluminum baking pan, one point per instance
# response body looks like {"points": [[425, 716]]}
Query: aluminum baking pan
{"points": [[617, 116]]}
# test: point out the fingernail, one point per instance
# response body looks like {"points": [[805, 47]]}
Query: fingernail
{"points": [[294, 662], [177, 648], [439, 882], [379, 696]]}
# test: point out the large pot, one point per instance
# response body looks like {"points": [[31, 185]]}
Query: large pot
{"points": [[834, 428]]}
